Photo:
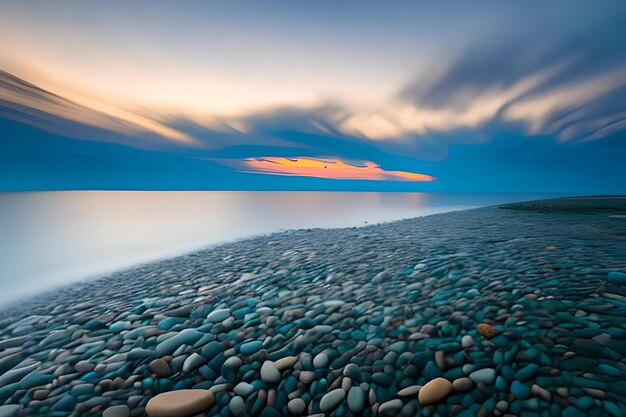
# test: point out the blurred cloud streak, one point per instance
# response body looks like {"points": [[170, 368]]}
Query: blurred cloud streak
{"points": [[34, 101]]}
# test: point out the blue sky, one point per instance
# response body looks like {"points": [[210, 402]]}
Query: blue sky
{"points": [[410, 96]]}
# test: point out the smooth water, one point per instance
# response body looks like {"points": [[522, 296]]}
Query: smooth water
{"points": [[51, 239]]}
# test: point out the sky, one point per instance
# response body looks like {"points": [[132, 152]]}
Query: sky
{"points": [[482, 96]]}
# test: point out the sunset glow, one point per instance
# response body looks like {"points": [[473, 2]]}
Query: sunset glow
{"points": [[318, 95], [328, 168]]}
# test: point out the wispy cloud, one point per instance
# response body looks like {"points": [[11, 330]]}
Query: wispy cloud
{"points": [[324, 168], [569, 86], [33, 105]]}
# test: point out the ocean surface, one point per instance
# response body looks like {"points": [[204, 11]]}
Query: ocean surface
{"points": [[50, 239]]}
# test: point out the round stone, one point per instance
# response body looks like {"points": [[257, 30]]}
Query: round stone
{"points": [[296, 406], [84, 366], [434, 390], [251, 347], [320, 361], [485, 375], [390, 407], [237, 406], [356, 400], [462, 384], [467, 341], [353, 372], [180, 403], [502, 406], [160, 367], [616, 277], [486, 330], [270, 372], [233, 362], [194, 361], [520, 390], [307, 377], [243, 389], [286, 362], [119, 326], [331, 400]]}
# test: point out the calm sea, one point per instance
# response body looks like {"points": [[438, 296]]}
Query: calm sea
{"points": [[50, 239]]}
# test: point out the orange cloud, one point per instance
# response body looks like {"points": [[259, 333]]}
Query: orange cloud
{"points": [[326, 168]]}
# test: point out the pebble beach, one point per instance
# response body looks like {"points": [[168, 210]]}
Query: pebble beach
{"points": [[515, 310]]}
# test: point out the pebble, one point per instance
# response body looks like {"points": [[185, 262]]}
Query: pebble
{"points": [[270, 373], [331, 400], [251, 347], [306, 377], [467, 341], [35, 380], [320, 361], [119, 326], [527, 372], [617, 277], [434, 391], [117, 411], [462, 384], [356, 399], [486, 330], [390, 407], [296, 406], [218, 315], [502, 406], [180, 403], [237, 406], [353, 372], [543, 393], [9, 410], [520, 390], [185, 337], [194, 361], [486, 376], [286, 362], [409, 391], [243, 389], [160, 367]]}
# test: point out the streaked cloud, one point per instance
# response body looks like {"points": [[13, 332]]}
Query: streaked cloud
{"points": [[566, 85], [34, 102], [472, 72], [324, 168]]}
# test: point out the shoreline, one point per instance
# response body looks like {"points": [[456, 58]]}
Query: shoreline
{"points": [[276, 234], [161, 254], [62, 238]]}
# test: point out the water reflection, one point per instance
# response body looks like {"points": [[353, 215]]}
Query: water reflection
{"points": [[54, 238]]}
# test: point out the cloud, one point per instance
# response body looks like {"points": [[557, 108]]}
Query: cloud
{"points": [[324, 168], [28, 103], [569, 83], [309, 132]]}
